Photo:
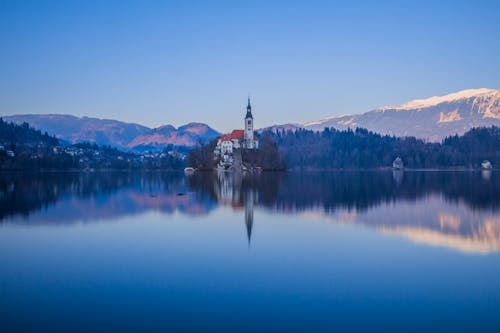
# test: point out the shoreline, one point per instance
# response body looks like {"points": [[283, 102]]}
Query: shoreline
{"points": [[205, 171]]}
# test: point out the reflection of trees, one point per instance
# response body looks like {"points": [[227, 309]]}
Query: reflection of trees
{"points": [[362, 190], [469, 223], [347, 190], [21, 194], [27, 193]]}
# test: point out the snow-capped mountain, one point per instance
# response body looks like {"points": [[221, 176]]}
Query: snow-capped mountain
{"points": [[432, 118], [115, 133], [283, 127]]}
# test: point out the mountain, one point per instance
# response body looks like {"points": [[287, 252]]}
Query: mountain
{"points": [[283, 127], [432, 118], [115, 133], [74, 129], [187, 135]]}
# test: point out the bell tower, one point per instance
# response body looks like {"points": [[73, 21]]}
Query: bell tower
{"points": [[248, 138]]}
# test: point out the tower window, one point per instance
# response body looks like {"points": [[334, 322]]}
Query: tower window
{"points": [[249, 122]]}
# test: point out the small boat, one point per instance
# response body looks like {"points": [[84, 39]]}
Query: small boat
{"points": [[189, 170]]}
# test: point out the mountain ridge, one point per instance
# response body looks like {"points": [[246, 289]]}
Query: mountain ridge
{"points": [[432, 118], [186, 135], [435, 100], [115, 133]]}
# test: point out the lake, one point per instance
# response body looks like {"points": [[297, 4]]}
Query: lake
{"points": [[277, 252]]}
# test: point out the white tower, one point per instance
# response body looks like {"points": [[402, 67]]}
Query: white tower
{"points": [[248, 138]]}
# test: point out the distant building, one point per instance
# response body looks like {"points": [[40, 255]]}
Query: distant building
{"points": [[486, 165], [237, 139], [398, 163], [10, 153], [250, 141]]}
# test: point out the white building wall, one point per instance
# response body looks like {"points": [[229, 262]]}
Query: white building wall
{"points": [[226, 147], [248, 133]]}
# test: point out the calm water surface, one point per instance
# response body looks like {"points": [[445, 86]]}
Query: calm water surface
{"points": [[311, 252]]}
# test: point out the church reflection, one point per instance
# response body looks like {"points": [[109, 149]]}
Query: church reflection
{"points": [[458, 210], [228, 187], [398, 175]]}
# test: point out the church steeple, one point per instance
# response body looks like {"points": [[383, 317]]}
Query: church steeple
{"points": [[249, 110], [249, 135]]}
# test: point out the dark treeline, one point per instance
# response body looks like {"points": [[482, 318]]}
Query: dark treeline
{"points": [[31, 149], [362, 149], [202, 156], [12, 134], [24, 148]]}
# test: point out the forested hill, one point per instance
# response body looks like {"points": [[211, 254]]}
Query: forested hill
{"points": [[24, 148], [362, 149], [24, 135]]}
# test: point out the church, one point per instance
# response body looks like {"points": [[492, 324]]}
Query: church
{"points": [[229, 145]]}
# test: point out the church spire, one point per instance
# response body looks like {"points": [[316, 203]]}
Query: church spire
{"points": [[249, 109]]}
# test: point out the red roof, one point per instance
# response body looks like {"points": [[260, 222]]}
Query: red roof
{"points": [[235, 135]]}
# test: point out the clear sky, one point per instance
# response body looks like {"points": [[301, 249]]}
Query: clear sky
{"points": [[173, 62]]}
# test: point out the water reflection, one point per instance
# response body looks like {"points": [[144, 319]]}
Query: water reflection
{"points": [[230, 191], [457, 210]]}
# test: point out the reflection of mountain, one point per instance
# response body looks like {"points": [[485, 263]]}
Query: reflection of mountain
{"points": [[459, 210], [483, 242], [433, 221], [65, 198]]}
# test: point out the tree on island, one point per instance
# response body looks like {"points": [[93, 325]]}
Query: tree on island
{"points": [[267, 157], [201, 156]]}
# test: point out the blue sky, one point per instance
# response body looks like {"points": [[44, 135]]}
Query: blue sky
{"points": [[169, 62]]}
